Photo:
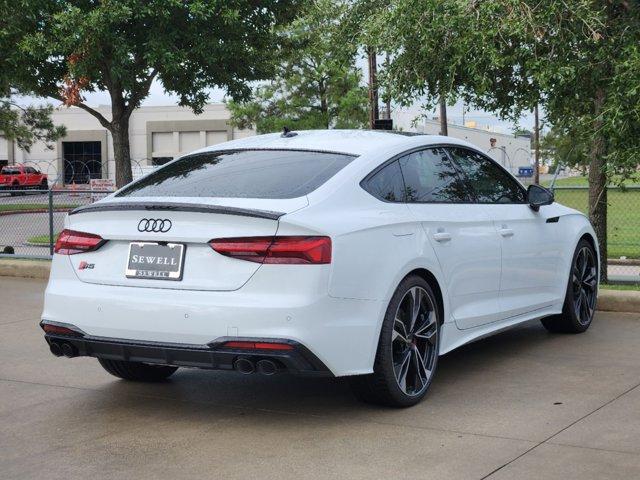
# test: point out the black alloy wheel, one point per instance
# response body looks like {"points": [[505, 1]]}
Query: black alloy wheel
{"points": [[408, 348], [582, 293]]}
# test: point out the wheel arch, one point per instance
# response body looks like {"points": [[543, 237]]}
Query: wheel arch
{"points": [[431, 279], [589, 238]]}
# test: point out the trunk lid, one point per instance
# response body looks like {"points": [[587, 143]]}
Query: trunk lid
{"points": [[187, 221]]}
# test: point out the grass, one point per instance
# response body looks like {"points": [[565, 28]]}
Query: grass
{"points": [[582, 181], [18, 207], [632, 287], [42, 239], [623, 218]]}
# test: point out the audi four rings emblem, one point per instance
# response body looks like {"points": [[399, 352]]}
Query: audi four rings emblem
{"points": [[154, 225]]}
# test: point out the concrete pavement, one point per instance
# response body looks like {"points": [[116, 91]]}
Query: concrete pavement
{"points": [[521, 405]]}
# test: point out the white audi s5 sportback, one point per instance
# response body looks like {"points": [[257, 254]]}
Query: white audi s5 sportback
{"points": [[345, 253]]}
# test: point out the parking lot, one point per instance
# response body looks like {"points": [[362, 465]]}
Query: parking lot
{"points": [[521, 405]]}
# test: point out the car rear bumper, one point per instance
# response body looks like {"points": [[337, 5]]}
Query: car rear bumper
{"points": [[341, 333], [215, 356]]}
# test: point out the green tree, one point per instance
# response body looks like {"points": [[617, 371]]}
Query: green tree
{"points": [[65, 48], [23, 124], [564, 150], [580, 63], [317, 84], [27, 125], [585, 62]]}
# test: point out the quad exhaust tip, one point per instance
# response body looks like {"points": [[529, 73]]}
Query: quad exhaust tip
{"points": [[55, 349], [266, 367], [63, 348], [68, 350], [244, 366]]}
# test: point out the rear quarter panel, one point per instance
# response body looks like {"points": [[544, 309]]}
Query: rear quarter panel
{"points": [[374, 244]]}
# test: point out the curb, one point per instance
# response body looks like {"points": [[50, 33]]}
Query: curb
{"points": [[618, 301], [608, 300], [25, 268]]}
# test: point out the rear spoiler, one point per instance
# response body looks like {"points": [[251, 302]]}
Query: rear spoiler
{"points": [[176, 207]]}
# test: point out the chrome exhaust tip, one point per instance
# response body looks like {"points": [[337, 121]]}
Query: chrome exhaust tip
{"points": [[267, 367], [244, 366]]}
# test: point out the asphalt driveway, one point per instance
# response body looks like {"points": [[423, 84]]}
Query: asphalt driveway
{"points": [[521, 405]]}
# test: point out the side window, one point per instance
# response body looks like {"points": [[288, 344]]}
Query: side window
{"points": [[387, 184], [490, 183], [30, 170], [430, 176]]}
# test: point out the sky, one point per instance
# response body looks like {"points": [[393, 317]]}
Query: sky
{"points": [[157, 96]]}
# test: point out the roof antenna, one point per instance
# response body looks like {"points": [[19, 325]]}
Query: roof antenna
{"points": [[286, 133]]}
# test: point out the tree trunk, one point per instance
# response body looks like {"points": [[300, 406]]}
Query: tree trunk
{"points": [[324, 103], [444, 129], [121, 151], [598, 184]]}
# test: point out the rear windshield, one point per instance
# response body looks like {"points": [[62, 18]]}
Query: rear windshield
{"points": [[241, 174], [10, 171]]}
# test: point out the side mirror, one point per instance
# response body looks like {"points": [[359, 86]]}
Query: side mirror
{"points": [[539, 196]]}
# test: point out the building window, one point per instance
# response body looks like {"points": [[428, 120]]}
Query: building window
{"points": [[82, 161]]}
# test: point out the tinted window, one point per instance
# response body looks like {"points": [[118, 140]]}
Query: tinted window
{"points": [[10, 171], [241, 174], [490, 183], [387, 184], [430, 176]]}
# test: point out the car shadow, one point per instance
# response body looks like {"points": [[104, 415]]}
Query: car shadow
{"points": [[318, 396]]}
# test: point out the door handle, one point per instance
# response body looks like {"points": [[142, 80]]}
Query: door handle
{"points": [[442, 236], [506, 232]]}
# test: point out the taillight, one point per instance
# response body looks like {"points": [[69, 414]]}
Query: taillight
{"points": [[59, 330], [71, 242], [276, 250]]}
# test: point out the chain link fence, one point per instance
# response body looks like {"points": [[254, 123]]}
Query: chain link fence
{"points": [[31, 219], [63, 172], [623, 226]]}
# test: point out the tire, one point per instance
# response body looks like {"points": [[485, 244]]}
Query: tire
{"points": [[582, 293], [400, 378], [44, 185], [136, 371]]}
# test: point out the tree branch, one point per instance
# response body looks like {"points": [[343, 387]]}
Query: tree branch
{"points": [[140, 93], [103, 121]]}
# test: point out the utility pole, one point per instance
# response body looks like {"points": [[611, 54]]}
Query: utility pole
{"points": [[444, 130], [464, 111], [388, 98], [536, 145], [374, 114]]}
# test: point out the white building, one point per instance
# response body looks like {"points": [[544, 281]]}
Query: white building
{"points": [[510, 151], [156, 134]]}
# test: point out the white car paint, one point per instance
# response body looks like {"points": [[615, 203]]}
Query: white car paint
{"points": [[495, 265]]}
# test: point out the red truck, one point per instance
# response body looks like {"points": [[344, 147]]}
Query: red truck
{"points": [[22, 177]]}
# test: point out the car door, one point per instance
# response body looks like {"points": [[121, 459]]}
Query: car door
{"points": [[530, 244], [460, 231]]}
